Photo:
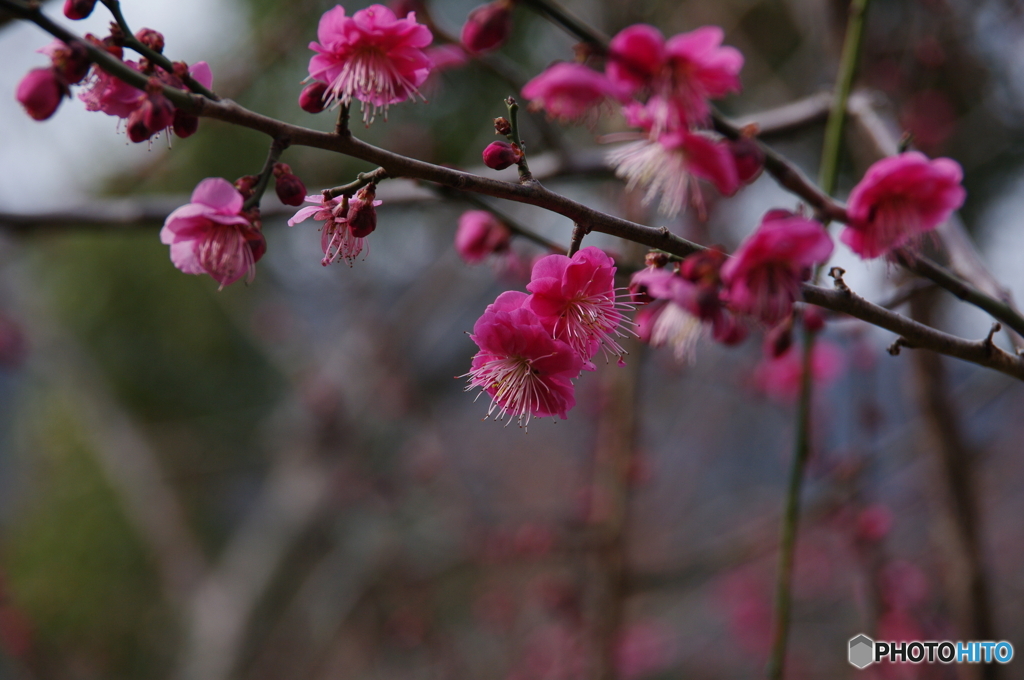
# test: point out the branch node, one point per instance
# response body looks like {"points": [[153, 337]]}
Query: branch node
{"points": [[894, 348], [837, 275], [988, 343]]}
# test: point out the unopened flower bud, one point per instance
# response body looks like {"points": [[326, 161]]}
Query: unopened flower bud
{"points": [[500, 155], [40, 92], [71, 62], [246, 184], [152, 39], [488, 26], [311, 100], [749, 159], [289, 187], [78, 9], [136, 126], [703, 267], [814, 319], [185, 124], [362, 212], [107, 44], [502, 126]]}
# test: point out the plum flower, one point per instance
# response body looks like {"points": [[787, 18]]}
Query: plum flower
{"points": [[336, 237], [525, 371], [680, 74], [372, 56], [576, 300], [900, 198], [480, 234], [670, 166], [779, 378], [211, 236], [570, 92], [763, 278]]}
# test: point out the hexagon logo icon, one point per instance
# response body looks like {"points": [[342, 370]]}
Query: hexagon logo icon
{"points": [[862, 651]]}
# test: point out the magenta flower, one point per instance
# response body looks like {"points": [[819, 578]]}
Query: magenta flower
{"points": [[211, 236], [900, 198], [670, 166], [763, 277], [571, 92], [780, 378], [480, 234], [680, 74], [576, 301], [372, 56], [526, 372]]}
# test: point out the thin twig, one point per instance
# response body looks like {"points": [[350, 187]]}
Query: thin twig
{"points": [[578, 232], [277, 147], [362, 179]]}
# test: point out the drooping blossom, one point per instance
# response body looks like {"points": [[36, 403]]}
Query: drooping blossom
{"points": [[40, 92], [337, 239], [525, 371], [362, 211], [900, 198], [480, 234], [290, 189], [780, 377], [576, 300], [211, 236], [763, 277], [670, 165], [680, 74], [488, 26], [372, 56], [571, 92]]}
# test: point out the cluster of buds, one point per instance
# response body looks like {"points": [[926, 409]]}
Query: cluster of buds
{"points": [[500, 155], [43, 89]]}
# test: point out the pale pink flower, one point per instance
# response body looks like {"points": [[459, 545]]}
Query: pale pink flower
{"points": [[670, 166], [336, 238], [680, 74], [763, 277], [111, 95], [480, 234], [900, 198], [211, 236], [525, 371], [372, 56], [576, 300], [571, 92], [780, 378]]}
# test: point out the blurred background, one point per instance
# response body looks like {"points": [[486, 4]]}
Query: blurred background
{"points": [[286, 479]]}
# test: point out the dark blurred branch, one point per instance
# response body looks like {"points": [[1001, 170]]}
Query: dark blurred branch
{"points": [[277, 147], [943, 436]]}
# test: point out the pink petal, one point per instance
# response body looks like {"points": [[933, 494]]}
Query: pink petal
{"points": [[219, 194]]}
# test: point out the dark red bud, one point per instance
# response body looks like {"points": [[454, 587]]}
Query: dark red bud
{"points": [[71, 63], [290, 188], [78, 9], [779, 339], [814, 319], [362, 214], [487, 26], [154, 40], [41, 92], [311, 100], [500, 155], [185, 124], [246, 184], [502, 126], [116, 36], [138, 131], [107, 45], [749, 159]]}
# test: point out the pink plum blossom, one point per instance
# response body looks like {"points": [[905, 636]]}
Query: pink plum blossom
{"points": [[372, 56], [763, 277], [576, 300], [211, 236], [336, 238], [780, 377], [480, 234], [526, 372], [40, 92], [670, 165], [900, 198], [570, 92], [680, 74]]}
